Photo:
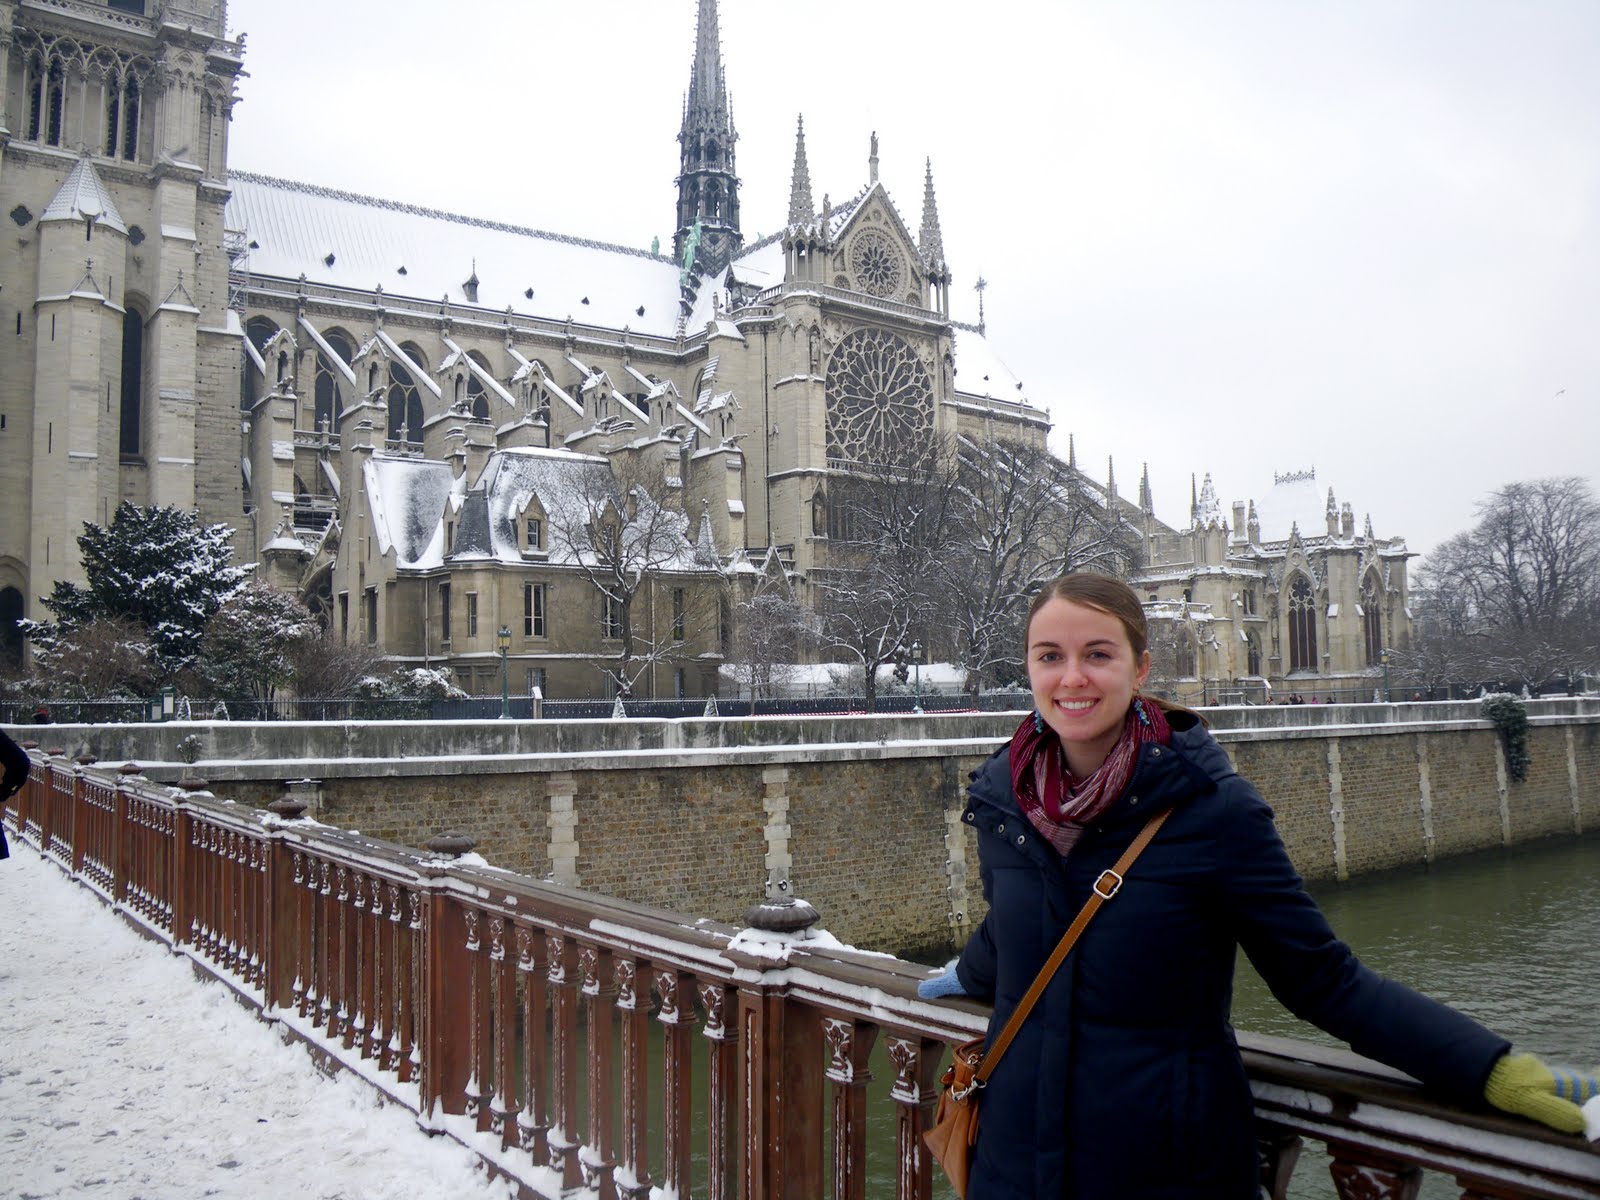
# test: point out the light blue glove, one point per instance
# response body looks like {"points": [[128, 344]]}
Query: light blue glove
{"points": [[945, 984]]}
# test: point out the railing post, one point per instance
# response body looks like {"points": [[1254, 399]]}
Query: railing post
{"points": [[849, 1050], [180, 888], [598, 990], [676, 1015], [533, 1120], [635, 1017], [123, 833], [722, 1111], [916, 1073], [562, 1138], [1358, 1175], [280, 940], [445, 1017]]}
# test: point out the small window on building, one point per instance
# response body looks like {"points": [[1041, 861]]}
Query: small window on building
{"points": [[472, 614], [372, 615], [533, 624], [610, 617], [680, 598], [1248, 601], [344, 616], [444, 612], [535, 533], [535, 680]]}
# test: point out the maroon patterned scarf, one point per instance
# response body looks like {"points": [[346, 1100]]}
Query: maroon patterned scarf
{"points": [[1058, 805]]}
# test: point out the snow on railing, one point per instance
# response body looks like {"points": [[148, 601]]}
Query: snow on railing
{"points": [[576, 1041]]}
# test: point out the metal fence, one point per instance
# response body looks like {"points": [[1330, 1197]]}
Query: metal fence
{"points": [[487, 708]]}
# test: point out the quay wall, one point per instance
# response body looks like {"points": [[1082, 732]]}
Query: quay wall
{"points": [[859, 816]]}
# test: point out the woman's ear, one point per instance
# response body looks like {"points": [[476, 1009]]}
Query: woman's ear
{"points": [[1144, 669]]}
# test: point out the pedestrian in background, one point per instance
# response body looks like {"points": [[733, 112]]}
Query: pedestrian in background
{"points": [[1125, 1079]]}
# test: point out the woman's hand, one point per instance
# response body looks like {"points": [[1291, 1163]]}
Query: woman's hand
{"points": [[941, 985], [1523, 1085]]}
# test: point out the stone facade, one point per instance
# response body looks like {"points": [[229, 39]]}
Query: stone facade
{"points": [[125, 362]]}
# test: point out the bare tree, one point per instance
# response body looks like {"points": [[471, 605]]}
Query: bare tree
{"points": [[627, 534], [769, 629], [879, 594], [1021, 517], [1522, 583]]}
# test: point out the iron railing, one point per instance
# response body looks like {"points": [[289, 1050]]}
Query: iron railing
{"points": [[518, 1017]]}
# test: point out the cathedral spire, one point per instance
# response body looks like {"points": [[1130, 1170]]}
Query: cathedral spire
{"points": [[707, 235], [1072, 452], [801, 210], [1146, 503], [930, 241]]}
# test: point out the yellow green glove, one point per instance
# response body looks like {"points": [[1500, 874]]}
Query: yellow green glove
{"points": [[1523, 1085]]}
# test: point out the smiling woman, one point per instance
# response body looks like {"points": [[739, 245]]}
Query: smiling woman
{"points": [[1125, 1079]]}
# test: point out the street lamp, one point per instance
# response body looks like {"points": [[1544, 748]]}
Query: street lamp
{"points": [[1388, 696], [916, 662], [503, 641]]}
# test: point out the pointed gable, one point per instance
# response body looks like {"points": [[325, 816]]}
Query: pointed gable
{"points": [[83, 196], [876, 252]]}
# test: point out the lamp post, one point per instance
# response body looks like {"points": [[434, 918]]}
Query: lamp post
{"points": [[503, 641], [916, 663], [1388, 696]]}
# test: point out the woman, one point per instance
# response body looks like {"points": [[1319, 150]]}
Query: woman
{"points": [[1125, 1080]]}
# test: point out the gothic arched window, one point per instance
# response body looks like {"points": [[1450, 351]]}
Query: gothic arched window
{"points": [[1185, 663], [132, 381], [1302, 626], [329, 399], [1371, 621], [46, 86], [259, 330], [1252, 653], [405, 406]]}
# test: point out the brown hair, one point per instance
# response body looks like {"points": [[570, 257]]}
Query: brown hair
{"points": [[1100, 592], [1114, 598]]}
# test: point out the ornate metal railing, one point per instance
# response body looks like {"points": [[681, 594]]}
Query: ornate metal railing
{"points": [[578, 1042]]}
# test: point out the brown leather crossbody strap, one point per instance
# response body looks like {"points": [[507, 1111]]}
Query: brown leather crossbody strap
{"points": [[1105, 887]]}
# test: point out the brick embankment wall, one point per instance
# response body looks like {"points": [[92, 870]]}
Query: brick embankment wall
{"points": [[703, 821]]}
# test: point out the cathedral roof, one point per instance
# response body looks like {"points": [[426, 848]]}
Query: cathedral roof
{"points": [[361, 242], [1294, 498], [83, 196]]}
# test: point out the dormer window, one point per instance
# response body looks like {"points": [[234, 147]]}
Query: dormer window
{"points": [[534, 533]]}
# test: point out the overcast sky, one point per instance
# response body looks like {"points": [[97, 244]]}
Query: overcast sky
{"points": [[1235, 236]]}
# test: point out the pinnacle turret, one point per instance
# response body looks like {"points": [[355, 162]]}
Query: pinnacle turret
{"points": [[930, 241], [801, 210]]}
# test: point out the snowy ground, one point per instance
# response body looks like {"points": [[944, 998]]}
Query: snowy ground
{"points": [[122, 1076]]}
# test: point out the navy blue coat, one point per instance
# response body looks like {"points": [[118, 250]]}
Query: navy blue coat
{"points": [[1125, 1081]]}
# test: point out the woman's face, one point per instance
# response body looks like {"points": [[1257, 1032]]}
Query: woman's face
{"points": [[1084, 673]]}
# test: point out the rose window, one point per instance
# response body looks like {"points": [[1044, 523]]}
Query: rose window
{"points": [[875, 263], [880, 397]]}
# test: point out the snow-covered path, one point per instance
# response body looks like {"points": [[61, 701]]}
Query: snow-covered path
{"points": [[123, 1076]]}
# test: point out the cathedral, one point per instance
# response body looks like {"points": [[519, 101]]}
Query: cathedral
{"points": [[413, 418]]}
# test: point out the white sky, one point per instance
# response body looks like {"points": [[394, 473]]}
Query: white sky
{"points": [[1237, 236]]}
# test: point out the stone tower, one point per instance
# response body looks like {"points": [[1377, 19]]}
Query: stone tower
{"points": [[122, 377], [708, 186]]}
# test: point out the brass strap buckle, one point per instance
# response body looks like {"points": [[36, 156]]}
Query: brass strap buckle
{"points": [[1108, 884]]}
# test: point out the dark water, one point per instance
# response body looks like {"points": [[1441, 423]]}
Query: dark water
{"points": [[1511, 938]]}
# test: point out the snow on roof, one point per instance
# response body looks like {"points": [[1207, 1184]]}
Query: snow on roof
{"points": [[559, 479], [1295, 497], [296, 228], [407, 497], [761, 265], [979, 371], [83, 197]]}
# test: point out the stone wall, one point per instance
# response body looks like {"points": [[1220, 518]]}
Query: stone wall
{"points": [[860, 817]]}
